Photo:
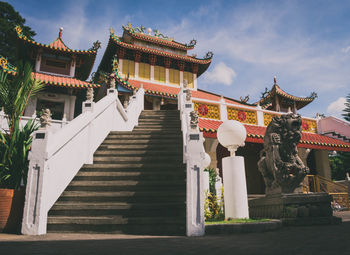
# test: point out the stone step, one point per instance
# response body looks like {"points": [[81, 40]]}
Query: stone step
{"points": [[126, 185], [119, 220], [154, 146], [144, 158], [135, 153], [141, 141], [124, 196], [146, 132], [163, 127], [85, 226], [134, 167], [145, 136], [160, 112], [157, 120], [127, 175], [118, 208]]}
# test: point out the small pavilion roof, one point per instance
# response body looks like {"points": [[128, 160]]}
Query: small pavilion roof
{"points": [[49, 79], [57, 45], [255, 134], [277, 91]]}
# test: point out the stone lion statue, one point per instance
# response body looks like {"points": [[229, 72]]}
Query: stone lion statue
{"points": [[279, 163]]}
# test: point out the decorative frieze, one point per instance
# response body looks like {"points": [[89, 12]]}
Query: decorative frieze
{"points": [[245, 116], [309, 126], [268, 118], [205, 110]]}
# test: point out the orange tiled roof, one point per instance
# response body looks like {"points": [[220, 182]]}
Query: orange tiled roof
{"points": [[202, 94], [156, 89], [150, 38], [58, 44], [61, 81], [169, 91], [256, 134], [276, 90], [187, 58]]}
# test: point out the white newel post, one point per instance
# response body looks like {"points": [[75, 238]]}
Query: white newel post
{"points": [[196, 160], [232, 134], [195, 187], [35, 213]]}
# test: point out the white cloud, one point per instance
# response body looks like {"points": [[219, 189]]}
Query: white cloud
{"points": [[221, 73], [346, 50], [337, 106]]}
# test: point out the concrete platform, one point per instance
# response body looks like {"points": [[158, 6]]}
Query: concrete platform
{"points": [[320, 240]]}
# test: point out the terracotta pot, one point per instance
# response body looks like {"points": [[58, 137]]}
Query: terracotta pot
{"points": [[11, 210]]}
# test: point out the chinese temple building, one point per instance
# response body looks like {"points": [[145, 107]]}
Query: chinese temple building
{"points": [[63, 71], [161, 65], [164, 69]]}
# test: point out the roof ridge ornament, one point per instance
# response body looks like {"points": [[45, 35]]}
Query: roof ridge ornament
{"points": [[209, 55], [275, 80], [192, 43], [60, 33]]}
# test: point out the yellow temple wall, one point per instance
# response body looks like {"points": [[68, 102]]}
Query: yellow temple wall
{"points": [[144, 71], [174, 76], [189, 77], [159, 73], [128, 68]]}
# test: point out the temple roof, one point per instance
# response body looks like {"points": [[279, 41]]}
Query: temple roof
{"points": [[255, 134], [185, 58], [267, 101], [157, 38], [57, 44], [49, 79]]}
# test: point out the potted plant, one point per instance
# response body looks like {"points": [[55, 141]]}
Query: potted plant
{"points": [[15, 92]]}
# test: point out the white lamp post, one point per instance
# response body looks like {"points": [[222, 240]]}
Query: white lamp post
{"points": [[231, 134]]}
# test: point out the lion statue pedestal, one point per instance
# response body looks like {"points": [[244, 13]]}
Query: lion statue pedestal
{"points": [[283, 171]]}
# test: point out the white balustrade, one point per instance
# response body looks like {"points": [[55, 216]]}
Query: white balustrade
{"points": [[55, 158]]}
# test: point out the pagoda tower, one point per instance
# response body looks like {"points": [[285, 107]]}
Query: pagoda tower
{"points": [[280, 101], [154, 60], [63, 71]]}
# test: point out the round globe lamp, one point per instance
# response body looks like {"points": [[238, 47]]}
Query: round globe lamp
{"points": [[232, 134]]}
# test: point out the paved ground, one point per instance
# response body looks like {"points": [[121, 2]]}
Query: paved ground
{"points": [[292, 240]]}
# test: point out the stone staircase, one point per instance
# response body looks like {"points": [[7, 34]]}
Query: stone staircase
{"points": [[136, 184]]}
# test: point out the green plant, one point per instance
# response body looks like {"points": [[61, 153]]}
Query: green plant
{"points": [[213, 178], [15, 144]]}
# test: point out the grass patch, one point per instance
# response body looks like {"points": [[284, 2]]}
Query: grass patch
{"points": [[235, 221]]}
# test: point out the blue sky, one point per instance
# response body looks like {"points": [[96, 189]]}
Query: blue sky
{"points": [[306, 44]]}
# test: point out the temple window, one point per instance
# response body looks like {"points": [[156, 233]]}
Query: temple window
{"points": [[55, 65], [144, 71], [159, 73], [189, 77], [174, 76], [128, 68]]}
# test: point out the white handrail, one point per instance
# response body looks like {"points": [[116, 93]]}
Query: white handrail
{"points": [[55, 158]]}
